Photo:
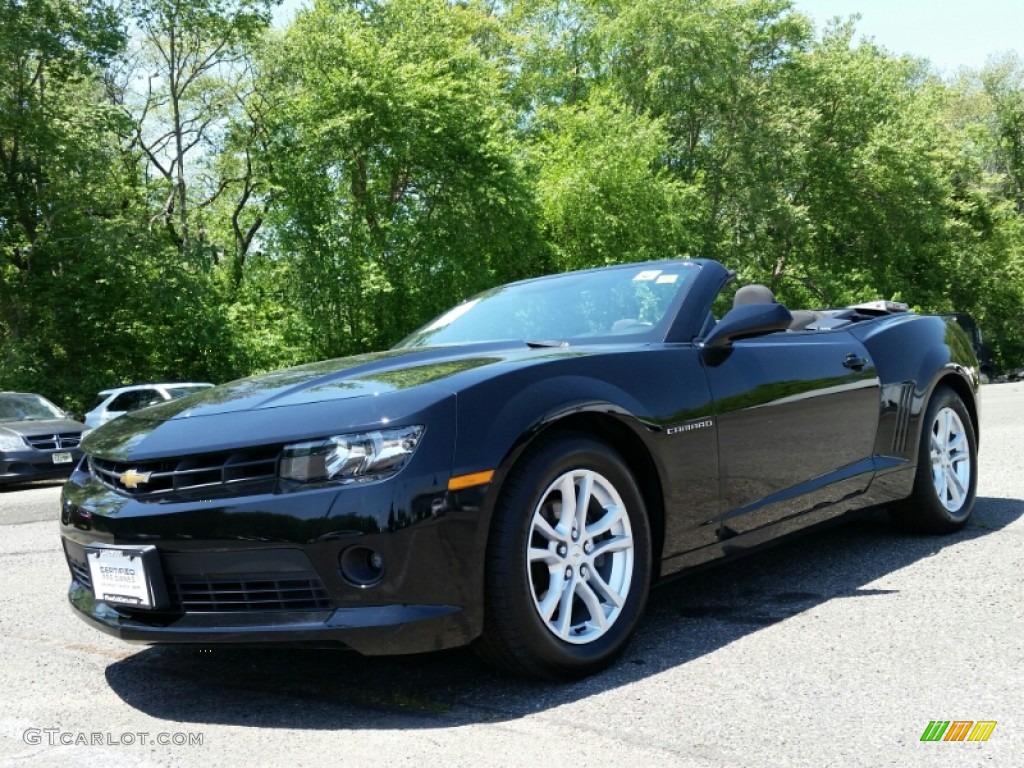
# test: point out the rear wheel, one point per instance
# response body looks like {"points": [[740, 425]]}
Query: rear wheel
{"points": [[947, 468], [568, 562]]}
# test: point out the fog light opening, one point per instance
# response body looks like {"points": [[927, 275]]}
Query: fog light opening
{"points": [[362, 566]]}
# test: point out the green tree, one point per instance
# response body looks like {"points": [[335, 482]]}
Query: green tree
{"points": [[399, 188], [604, 195], [871, 171], [554, 51], [62, 182], [1003, 83], [702, 66], [89, 296], [985, 113], [180, 86]]}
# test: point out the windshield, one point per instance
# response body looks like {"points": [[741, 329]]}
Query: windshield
{"points": [[27, 408], [617, 301]]}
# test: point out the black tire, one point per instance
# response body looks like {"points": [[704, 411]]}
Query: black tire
{"points": [[569, 567], [943, 497]]}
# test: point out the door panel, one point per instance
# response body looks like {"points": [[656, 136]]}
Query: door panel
{"points": [[796, 414]]}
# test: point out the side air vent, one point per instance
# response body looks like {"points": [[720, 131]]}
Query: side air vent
{"points": [[899, 435]]}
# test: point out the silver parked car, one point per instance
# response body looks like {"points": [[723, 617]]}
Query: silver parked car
{"points": [[117, 401]]}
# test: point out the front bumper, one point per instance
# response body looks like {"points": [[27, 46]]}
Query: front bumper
{"points": [[31, 464], [370, 630], [270, 567]]}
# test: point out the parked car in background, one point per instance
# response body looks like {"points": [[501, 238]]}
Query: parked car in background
{"points": [[117, 401], [38, 440]]}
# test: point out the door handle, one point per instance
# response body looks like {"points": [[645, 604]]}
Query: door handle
{"points": [[854, 361]]}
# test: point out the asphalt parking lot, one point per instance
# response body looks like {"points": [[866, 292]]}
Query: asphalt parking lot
{"points": [[836, 649]]}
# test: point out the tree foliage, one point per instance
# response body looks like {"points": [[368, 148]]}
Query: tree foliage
{"points": [[398, 188], [180, 86], [188, 193]]}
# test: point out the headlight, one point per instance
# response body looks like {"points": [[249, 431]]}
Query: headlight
{"points": [[350, 458], [10, 442]]}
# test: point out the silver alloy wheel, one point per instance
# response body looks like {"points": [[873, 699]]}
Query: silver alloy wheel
{"points": [[951, 460], [580, 555]]}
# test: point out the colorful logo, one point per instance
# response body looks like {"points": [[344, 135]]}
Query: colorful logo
{"points": [[958, 730]]}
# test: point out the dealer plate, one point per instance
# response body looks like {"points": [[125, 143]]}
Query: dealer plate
{"points": [[119, 576]]}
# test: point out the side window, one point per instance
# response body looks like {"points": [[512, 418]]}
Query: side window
{"points": [[719, 307], [122, 402], [151, 397], [132, 401], [723, 301]]}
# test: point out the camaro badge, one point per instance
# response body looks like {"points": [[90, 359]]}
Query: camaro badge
{"points": [[690, 426], [132, 478]]}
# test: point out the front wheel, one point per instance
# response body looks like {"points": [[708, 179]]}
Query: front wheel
{"points": [[568, 562], [947, 469]]}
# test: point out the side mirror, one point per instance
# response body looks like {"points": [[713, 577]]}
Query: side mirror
{"points": [[748, 320]]}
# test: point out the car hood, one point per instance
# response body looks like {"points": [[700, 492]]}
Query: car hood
{"points": [[48, 427], [345, 378], [352, 393]]}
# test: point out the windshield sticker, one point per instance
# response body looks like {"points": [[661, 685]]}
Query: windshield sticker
{"points": [[666, 279], [648, 274]]}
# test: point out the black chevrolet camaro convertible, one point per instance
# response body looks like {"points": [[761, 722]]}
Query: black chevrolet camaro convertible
{"points": [[516, 474]]}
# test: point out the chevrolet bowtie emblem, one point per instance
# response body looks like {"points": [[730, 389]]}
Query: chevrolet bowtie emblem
{"points": [[132, 478]]}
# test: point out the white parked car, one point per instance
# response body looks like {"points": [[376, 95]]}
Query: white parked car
{"points": [[117, 401]]}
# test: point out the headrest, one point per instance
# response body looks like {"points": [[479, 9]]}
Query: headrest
{"points": [[753, 294]]}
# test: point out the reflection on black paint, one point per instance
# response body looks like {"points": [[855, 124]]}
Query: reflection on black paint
{"points": [[414, 376], [777, 392]]}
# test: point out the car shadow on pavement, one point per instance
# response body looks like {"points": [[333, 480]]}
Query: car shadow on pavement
{"points": [[686, 619]]}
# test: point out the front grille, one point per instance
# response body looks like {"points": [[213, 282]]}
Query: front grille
{"points": [[57, 442], [295, 587], [248, 593], [209, 475]]}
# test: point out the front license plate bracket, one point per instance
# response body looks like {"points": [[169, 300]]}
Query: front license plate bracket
{"points": [[127, 576]]}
